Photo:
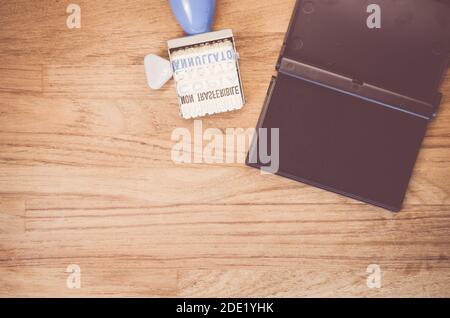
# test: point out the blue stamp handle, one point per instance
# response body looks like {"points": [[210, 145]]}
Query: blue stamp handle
{"points": [[194, 16]]}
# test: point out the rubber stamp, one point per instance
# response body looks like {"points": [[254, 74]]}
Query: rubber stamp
{"points": [[204, 64]]}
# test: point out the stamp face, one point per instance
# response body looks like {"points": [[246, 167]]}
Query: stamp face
{"points": [[207, 78]]}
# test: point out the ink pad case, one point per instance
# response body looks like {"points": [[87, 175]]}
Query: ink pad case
{"points": [[353, 104]]}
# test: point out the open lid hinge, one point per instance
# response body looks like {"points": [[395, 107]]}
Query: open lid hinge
{"points": [[358, 89]]}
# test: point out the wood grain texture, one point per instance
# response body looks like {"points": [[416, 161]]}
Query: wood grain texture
{"points": [[86, 176]]}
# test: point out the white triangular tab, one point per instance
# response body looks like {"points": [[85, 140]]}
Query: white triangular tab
{"points": [[158, 71]]}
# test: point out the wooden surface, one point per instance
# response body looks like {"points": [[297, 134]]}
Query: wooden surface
{"points": [[86, 176]]}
